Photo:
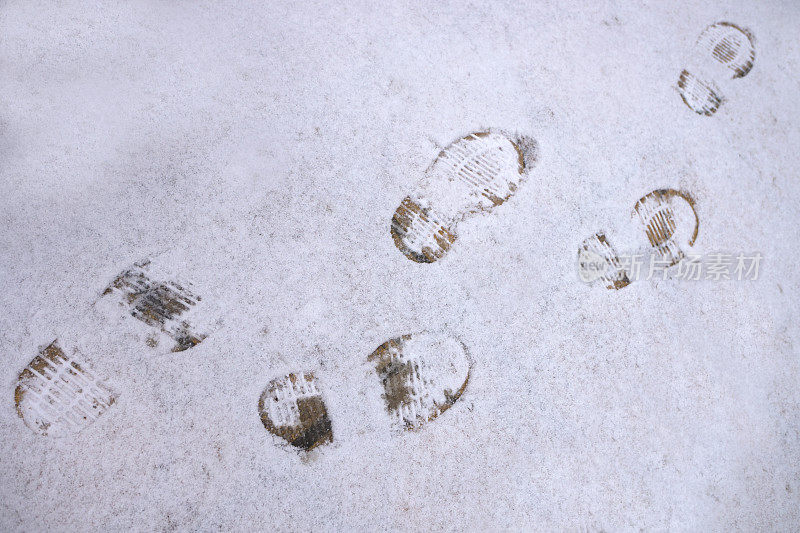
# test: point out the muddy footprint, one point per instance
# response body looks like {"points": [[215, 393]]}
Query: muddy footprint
{"points": [[723, 52], [58, 395], [162, 302], [292, 408], [422, 376], [474, 174]]}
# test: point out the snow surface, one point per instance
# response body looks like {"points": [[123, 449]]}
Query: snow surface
{"points": [[261, 149]]}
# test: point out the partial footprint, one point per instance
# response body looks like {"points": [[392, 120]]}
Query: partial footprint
{"points": [[422, 376], [669, 221], [292, 408], [58, 395], [598, 260], [730, 46], [474, 174], [159, 300], [668, 227], [723, 51], [702, 97]]}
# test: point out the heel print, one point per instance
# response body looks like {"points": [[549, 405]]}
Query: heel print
{"points": [[598, 260], [701, 97], [419, 232], [292, 408]]}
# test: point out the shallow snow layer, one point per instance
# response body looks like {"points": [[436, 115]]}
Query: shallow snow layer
{"points": [[260, 151]]}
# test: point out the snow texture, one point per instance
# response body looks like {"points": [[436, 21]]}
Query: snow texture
{"points": [[258, 150]]}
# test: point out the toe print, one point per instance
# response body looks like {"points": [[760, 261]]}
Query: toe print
{"points": [[474, 174], [292, 408], [58, 395], [422, 376]]}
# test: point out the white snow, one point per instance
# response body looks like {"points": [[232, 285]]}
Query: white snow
{"points": [[262, 148]]}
